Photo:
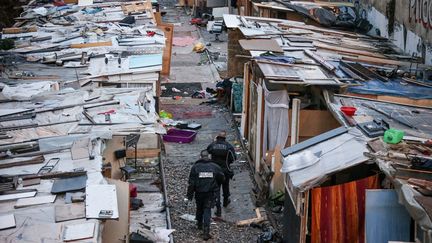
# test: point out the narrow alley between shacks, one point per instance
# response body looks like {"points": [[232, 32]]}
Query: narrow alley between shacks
{"points": [[191, 72], [163, 121]]}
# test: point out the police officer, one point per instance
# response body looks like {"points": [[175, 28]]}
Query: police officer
{"points": [[223, 154], [205, 179]]}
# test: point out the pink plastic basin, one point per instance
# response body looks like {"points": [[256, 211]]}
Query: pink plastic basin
{"points": [[179, 136]]}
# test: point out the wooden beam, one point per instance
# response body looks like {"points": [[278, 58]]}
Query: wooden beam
{"points": [[143, 153], [15, 30], [94, 44], [36, 160]]}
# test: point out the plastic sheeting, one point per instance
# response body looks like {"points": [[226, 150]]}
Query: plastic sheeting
{"points": [[406, 195], [338, 153], [393, 88], [276, 123], [32, 89]]}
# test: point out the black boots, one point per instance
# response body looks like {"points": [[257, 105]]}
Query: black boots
{"points": [[218, 212], [199, 226], [206, 234], [226, 201]]}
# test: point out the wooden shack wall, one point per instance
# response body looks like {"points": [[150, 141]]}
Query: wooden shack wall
{"points": [[235, 62]]}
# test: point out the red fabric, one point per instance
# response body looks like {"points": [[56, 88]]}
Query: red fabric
{"points": [[133, 190], [338, 212]]}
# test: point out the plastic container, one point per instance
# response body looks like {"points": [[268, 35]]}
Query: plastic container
{"points": [[179, 136], [348, 110], [393, 136]]}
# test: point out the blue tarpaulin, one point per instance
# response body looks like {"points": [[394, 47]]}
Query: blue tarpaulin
{"points": [[393, 88]]}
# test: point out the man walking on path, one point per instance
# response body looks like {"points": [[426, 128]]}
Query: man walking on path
{"points": [[223, 154], [205, 179]]}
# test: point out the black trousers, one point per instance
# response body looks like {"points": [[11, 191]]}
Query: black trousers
{"points": [[204, 203], [225, 191]]}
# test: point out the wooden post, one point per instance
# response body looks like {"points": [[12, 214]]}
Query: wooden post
{"points": [[260, 113], [295, 120], [168, 30]]}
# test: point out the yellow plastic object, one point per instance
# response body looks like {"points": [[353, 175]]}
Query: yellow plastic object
{"points": [[198, 47]]}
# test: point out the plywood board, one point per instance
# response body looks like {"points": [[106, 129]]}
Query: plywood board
{"points": [[69, 184], [261, 45], [80, 149], [116, 231], [25, 202], [117, 142], [101, 198], [78, 231], [7, 221], [69, 212], [17, 196], [31, 182]]}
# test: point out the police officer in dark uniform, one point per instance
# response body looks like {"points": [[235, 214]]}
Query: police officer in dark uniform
{"points": [[223, 154], [205, 179]]}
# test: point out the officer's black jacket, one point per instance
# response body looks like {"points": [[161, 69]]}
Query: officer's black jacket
{"points": [[222, 153], [205, 176]]}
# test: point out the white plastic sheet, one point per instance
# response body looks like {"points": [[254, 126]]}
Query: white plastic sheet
{"points": [[32, 89], [276, 124]]}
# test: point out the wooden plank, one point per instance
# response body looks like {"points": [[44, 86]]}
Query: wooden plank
{"points": [[25, 202], [168, 30], [69, 212], [7, 221], [94, 44], [78, 231], [348, 50], [17, 195], [31, 182], [261, 45], [143, 153], [374, 60], [320, 60], [117, 231], [27, 161], [15, 30]]}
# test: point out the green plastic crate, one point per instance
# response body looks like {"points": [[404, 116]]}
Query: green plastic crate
{"points": [[393, 136]]}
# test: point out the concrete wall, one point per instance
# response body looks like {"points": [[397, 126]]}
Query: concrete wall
{"points": [[407, 22]]}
